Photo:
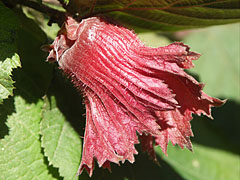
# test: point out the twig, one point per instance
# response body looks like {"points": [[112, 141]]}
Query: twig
{"points": [[63, 4], [55, 15]]}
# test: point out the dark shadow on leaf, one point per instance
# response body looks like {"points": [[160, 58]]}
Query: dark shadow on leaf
{"points": [[34, 77], [69, 100], [6, 109], [51, 170], [8, 33], [7, 45], [143, 168], [223, 131]]}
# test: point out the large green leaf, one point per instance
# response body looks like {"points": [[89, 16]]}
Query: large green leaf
{"points": [[61, 143], [218, 67], [162, 15], [20, 151], [8, 57]]}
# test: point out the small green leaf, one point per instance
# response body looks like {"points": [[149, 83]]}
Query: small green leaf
{"points": [[61, 143], [20, 151], [66, 1], [162, 15], [218, 67], [6, 82]]}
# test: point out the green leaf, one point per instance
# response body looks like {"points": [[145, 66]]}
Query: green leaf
{"points": [[6, 82], [162, 15], [61, 143], [203, 164], [218, 67], [62, 126], [8, 57], [66, 1], [20, 151], [50, 31]]}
